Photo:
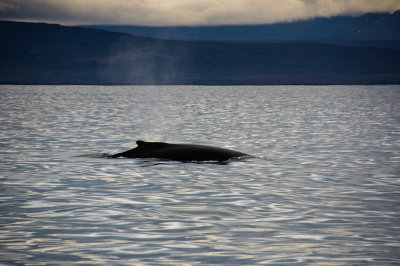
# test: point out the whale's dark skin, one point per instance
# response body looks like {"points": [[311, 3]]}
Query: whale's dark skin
{"points": [[180, 152]]}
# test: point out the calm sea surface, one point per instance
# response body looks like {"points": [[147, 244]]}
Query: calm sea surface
{"points": [[323, 190]]}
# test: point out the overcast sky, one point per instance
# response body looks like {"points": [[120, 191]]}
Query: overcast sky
{"points": [[184, 12]]}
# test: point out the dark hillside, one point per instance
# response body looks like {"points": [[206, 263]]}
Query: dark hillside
{"points": [[51, 54], [46, 53]]}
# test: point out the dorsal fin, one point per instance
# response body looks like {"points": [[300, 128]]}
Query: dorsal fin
{"points": [[141, 142]]}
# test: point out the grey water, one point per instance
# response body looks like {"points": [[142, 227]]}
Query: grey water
{"points": [[324, 188]]}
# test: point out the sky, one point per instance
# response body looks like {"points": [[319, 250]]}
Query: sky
{"points": [[184, 12]]}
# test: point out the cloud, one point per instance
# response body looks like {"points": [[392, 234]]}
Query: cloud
{"points": [[184, 12]]}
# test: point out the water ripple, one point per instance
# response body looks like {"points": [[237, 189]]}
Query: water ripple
{"points": [[327, 194]]}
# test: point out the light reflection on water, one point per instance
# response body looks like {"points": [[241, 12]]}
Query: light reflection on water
{"points": [[323, 190]]}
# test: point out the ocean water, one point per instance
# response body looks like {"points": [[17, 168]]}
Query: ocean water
{"points": [[324, 188]]}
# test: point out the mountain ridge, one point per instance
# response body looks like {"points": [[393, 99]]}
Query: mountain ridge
{"points": [[368, 27], [39, 53]]}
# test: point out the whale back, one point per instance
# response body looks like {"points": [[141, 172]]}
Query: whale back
{"points": [[142, 143], [179, 152]]}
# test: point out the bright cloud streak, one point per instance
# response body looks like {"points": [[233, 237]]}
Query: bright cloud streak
{"points": [[184, 12]]}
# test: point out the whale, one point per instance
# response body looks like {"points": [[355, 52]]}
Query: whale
{"points": [[180, 152]]}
